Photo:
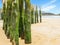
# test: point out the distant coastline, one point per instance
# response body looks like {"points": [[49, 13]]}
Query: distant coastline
{"points": [[50, 14]]}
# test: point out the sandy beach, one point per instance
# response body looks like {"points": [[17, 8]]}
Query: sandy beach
{"points": [[45, 33]]}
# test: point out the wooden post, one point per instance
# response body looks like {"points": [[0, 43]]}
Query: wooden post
{"points": [[32, 16], [40, 16], [21, 21], [27, 22]]}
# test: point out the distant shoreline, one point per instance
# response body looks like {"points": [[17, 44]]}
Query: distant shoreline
{"points": [[50, 15]]}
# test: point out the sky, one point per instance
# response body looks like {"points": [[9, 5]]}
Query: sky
{"points": [[52, 6], [0, 3]]}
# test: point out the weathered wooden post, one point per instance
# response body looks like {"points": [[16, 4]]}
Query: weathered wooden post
{"points": [[21, 21], [35, 17], [3, 14], [27, 22], [32, 15], [37, 14], [4, 17], [8, 15], [40, 16], [17, 14], [15, 23]]}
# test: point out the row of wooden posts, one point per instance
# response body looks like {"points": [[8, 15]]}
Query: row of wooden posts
{"points": [[17, 19]]}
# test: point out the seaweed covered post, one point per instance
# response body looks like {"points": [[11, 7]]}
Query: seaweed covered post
{"points": [[3, 15], [40, 15], [21, 20], [16, 17], [36, 15], [15, 22], [8, 15], [32, 15], [27, 22]]}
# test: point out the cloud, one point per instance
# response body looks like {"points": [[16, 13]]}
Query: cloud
{"points": [[48, 8], [49, 3]]}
